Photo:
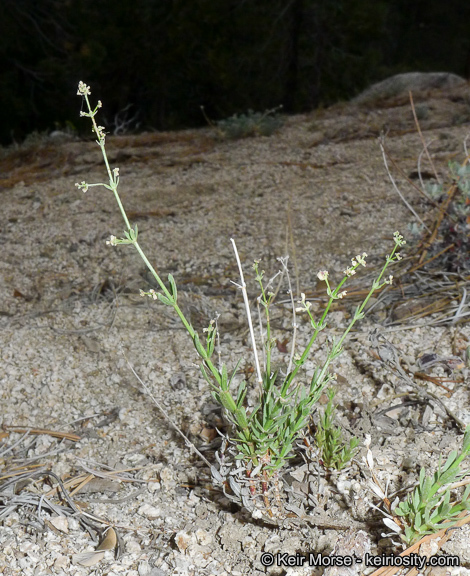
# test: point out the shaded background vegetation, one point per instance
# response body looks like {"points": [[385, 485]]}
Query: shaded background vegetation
{"points": [[166, 58]]}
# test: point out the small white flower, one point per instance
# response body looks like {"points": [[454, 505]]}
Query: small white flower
{"points": [[304, 304], [142, 293], [361, 259], [101, 133], [349, 272], [398, 256], [390, 279], [399, 239], [322, 275], [83, 89], [82, 186], [342, 294], [116, 172]]}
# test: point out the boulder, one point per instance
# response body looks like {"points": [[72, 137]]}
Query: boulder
{"points": [[401, 84]]}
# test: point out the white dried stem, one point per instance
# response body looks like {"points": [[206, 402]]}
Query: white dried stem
{"points": [[242, 286]]}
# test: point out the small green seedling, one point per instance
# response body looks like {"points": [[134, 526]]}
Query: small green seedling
{"points": [[334, 453]]}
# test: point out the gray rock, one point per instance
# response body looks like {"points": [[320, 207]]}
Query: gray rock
{"points": [[401, 84]]}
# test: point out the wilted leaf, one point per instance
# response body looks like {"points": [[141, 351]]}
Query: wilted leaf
{"points": [[109, 541], [88, 558]]}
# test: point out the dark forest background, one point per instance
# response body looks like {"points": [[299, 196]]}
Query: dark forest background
{"points": [[165, 58]]}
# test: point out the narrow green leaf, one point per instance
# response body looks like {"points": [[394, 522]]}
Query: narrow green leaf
{"points": [[228, 402], [197, 344], [173, 289], [426, 488], [466, 440], [418, 521], [450, 461], [234, 371], [211, 343], [410, 534], [241, 393], [422, 475], [466, 494], [205, 374], [240, 415], [164, 299], [224, 384]]}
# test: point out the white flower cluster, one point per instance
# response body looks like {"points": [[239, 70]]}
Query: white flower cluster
{"points": [[360, 259], [305, 305], [83, 89], [82, 186], [151, 294], [398, 239]]}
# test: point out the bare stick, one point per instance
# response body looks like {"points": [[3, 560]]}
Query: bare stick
{"points": [[421, 181], [410, 182], [418, 127], [165, 415], [410, 208]]}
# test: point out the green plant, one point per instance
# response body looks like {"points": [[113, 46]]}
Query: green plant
{"points": [[250, 124], [263, 436], [452, 244], [334, 452], [428, 508]]}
